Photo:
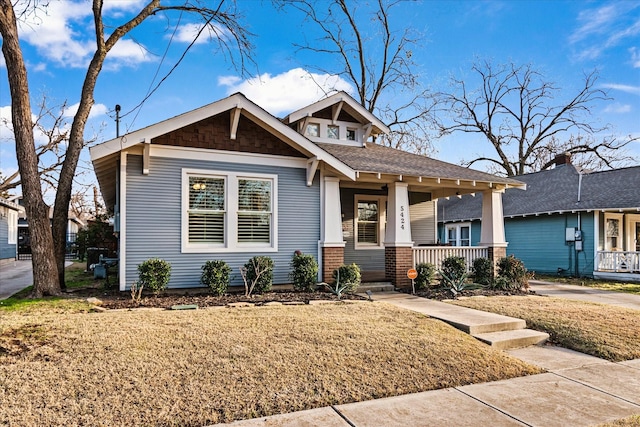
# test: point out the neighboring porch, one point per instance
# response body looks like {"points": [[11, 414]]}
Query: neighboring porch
{"points": [[618, 254]]}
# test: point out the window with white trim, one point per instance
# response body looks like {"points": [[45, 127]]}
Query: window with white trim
{"points": [[333, 132], [459, 234], [254, 211], [369, 221], [13, 227], [228, 211]]}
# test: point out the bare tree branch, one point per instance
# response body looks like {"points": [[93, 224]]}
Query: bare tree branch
{"points": [[516, 110]]}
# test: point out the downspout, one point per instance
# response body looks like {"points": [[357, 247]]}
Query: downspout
{"points": [[579, 222]]}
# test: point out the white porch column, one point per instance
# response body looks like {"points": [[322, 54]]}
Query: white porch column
{"points": [[331, 244], [492, 228], [398, 232], [331, 230]]}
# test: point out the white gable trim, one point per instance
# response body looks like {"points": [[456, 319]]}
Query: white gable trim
{"points": [[233, 103], [340, 98]]}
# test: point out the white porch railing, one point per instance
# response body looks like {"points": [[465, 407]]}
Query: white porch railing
{"points": [[618, 261], [436, 254]]}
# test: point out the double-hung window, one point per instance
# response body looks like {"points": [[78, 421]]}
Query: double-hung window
{"points": [[369, 214], [228, 211], [254, 211]]}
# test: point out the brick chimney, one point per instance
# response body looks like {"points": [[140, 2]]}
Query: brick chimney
{"points": [[563, 159]]}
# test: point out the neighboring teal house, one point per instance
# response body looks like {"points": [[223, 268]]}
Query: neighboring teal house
{"points": [[569, 221]]}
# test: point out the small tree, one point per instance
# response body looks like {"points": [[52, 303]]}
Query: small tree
{"points": [[257, 275], [426, 272], [304, 274], [216, 275], [512, 274], [482, 271], [154, 274]]}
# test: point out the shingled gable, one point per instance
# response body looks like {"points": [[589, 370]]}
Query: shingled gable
{"points": [[565, 188], [237, 105]]}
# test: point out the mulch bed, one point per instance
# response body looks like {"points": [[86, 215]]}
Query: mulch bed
{"points": [[122, 300], [440, 294]]}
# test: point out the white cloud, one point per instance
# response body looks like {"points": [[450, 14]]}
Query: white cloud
{"points": [[635, 57], [618, 108], [286, 92], [63, 33], [634, 90], [96, 110], [604, 28]]}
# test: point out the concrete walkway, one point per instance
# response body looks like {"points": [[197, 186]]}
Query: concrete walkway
{"points": [[15, 277], [585, 293], [578, 390]]}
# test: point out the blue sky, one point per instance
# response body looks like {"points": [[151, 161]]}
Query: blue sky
{"points": [[562, 39]]}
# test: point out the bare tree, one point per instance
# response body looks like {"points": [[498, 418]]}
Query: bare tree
{"points": [[379, 64], [516, 109], [48, 260]]}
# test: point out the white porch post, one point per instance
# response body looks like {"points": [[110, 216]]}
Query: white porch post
{"points": [[492, 228], [331, 241], [398, 246], [398, 232]]}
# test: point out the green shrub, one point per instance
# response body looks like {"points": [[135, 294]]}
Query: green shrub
{"points": [[454, 268], [426, 272], [154, 274], [512, 274], [348, 277], [259, 274], [304, 274], [483, 271], [216, 275]]}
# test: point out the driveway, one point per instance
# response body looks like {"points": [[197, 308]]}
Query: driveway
{"points": [[585, 293], [14, 277]]}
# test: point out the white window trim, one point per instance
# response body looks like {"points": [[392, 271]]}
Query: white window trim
{"points": [[457, 227], [231, 243], [382, 220], [12, 217]]}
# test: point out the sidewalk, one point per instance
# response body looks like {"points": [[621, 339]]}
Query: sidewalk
{"points": [[14, 277], [577, 390], [585, 293]]}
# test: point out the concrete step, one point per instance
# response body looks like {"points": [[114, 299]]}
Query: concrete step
{"points": [[505, 340], [375, 287]]}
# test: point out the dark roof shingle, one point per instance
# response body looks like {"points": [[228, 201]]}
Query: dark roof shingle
{"points": [[557, 190], [380, 159]]}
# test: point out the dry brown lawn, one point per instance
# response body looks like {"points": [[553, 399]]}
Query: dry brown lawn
{"points": [[601, 330], [633, 421], [193, 368]]}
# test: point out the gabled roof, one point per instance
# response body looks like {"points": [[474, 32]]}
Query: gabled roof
{"points": [[376, 158], [235, 101], [350, 105], [565, 188], [9, 204]]}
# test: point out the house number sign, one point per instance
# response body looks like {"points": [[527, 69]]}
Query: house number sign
{"points": [[402, 217]]}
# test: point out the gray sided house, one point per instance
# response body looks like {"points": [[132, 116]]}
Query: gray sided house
{"points": [[569, 221], [9, 213], [229, 181]]}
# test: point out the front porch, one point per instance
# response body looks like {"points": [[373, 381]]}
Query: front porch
{"points": [[618, 265]]}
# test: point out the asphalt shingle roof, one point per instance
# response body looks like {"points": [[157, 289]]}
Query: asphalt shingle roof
{"points": [[557, 190], [380, 159]]}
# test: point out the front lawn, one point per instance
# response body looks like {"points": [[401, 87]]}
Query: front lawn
{"points": [[67, 366], [600, 330]]}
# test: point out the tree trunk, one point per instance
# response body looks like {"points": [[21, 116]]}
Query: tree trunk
{"points": [[45, 272]]}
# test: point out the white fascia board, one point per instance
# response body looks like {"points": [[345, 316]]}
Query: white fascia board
{"points": [[334, 99], [166, 126], [249, 109]]}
